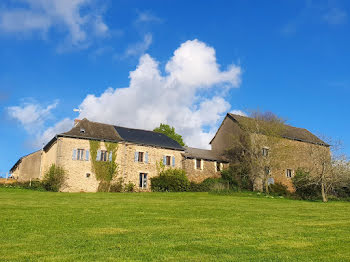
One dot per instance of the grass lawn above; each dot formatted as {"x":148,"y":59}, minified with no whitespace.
{"x":169,"y":227}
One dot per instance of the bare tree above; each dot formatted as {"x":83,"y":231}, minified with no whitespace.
{"x":262,"y":132}
{"x":329,"y":169}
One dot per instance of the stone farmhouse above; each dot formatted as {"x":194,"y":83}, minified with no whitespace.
{"x":295,"y":149}
{"x":137,"y":155}
{"x":139,"y":152}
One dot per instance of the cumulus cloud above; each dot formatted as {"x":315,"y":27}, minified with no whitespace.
{"x":188,"y":93}
{"x":79,"y":18}
{"x":175,"y":98}
{"x":31,"y":115}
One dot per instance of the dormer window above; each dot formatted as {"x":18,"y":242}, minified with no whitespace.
{"x":82,"y":130}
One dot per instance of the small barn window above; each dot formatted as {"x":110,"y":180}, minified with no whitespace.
{"x":289,"y":173}
{"x":198,"y":163}
{"x":265,"y":151}
{"x":88,"y":175}
{"x":82,"y":130}
{"x":167,"y":160}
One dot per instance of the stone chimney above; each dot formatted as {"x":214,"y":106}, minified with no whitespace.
{"x":76,"y":121}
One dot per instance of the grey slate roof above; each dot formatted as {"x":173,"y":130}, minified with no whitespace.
{"x":100,"y":131}
{"x":146,"y":137}
{"x":191,"y":152}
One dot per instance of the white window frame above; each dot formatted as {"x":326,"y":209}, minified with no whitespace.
{"x":220,"y":166}
{"x":291,"y":173}
{"x":267,"y":150}
{"x":80,"y":154}
{"x":144,"y":182}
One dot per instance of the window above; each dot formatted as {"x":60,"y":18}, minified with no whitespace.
{"x":140,"y":158}
{"x":218,"y":166}
{"x":82,"y":131}
{"x":265,"y":151}
{"x":289,"y":173}
{"x":87,"y":175}
{"x":198,"y":163}
{"x":169,"y":161}
{"x":143,"y":180}
{"x":80,"y":155}
{"x":104,"y":155}
{"x":267,"y":170}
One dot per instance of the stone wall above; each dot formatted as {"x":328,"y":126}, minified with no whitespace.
{"x":130,"y":170}
{"x":48,"y":158}
{"x":29,"y":168}
{"x":208,"y":170}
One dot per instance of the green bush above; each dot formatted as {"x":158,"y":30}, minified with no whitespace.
{"x":304,"y":188}
{"x":33,"y":185}
{"x":129,"y":187}
{"x":117,"y":186}
{"x":238,"y":177}
{"x":54,"y":178}
{"x":279,"y":189}
{"x":170,"y":180}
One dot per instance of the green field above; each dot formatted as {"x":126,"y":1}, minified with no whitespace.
{"x":169,"y":227}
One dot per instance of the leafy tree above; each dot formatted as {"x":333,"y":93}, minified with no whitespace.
{"x":170,"y":132}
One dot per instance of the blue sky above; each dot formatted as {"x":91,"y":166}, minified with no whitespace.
{"x":186,"y":63}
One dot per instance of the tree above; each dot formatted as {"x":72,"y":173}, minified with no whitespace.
{"x":170,"y":132}
{"x":261,"y":133}
{"x":329,"y":170}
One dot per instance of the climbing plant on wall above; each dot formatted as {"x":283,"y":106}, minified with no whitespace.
{"x":104,"y":170}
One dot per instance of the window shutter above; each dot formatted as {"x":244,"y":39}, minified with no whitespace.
{"x":98,"y":156}
{"x":87,"y":153}
{"x":195,"y":164}
{"x":140,"y":184}
{"x":136,"y":159}
{"x":173,"y":161}
{"x":74,"y":156}
{"x":164,"y":160}
{"x":216,"y":166}
{"x":110,"y":156}
{"x":146,"y":157}
{"x":202,"y":164}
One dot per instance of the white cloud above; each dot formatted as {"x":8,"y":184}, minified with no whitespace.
{"x":60,"y":127}
{"x":238,"y":112}
{"x":79,"y":18}
{"x":174,"y":98}
{"x":147,"y":16}
{"x":190,"y":96}
{"x":31,"y":115}
{"x":139,"y":48}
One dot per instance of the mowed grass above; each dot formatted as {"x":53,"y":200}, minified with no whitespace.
{"x":43,"y":226}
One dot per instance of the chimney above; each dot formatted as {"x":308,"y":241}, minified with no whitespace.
{"x":76,"y":121}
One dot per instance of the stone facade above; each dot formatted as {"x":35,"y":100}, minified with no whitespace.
{"x":80,"y":177}
{"x":28,"y":167}
{"x":208,"y":169}
{"x":286,"y":154}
